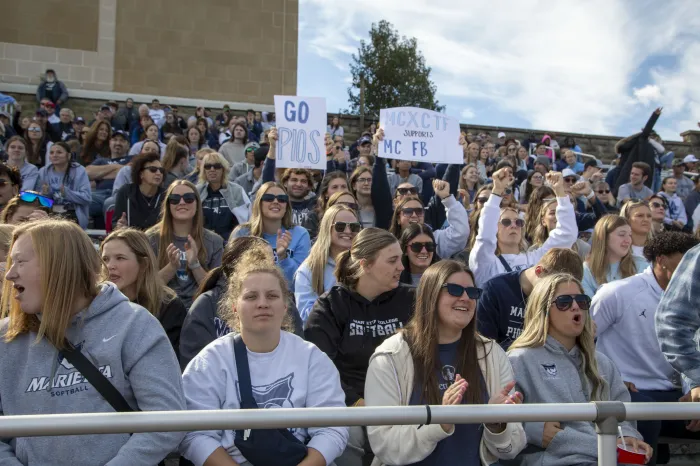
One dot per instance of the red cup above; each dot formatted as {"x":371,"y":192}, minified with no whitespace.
{"x":630,"y":457}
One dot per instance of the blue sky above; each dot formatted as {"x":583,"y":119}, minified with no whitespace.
{"x":593,"y":66}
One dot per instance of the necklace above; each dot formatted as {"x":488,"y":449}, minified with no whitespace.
{"x":154,"y":200}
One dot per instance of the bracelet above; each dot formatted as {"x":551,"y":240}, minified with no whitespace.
{"x":194,"y":265}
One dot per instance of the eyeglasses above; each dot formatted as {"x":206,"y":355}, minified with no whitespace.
{"x":404,"y":191}
{"x":570,"y":179}
{"x":418,"y":246}
{"x":352,"y":205}
{"x":519,"y":222}
{"x":281,"y":198}
{"x":511,"y":149}
{"x":537,"y":178}
{"x":364,"y":180}
{"x":657,"y":205}
{"x":189,"y":198}
{"x":564,"y":302}
{"x":155,"y":169}
{"x":603,"y":191}
{"x":213,"y":166}
{"x":340,"y":227}
{"x":458,"y":290}
{"x":338,"y":148}
{"x":34,"y":130}
{"x":409,"y":211}
{"x":482,"y":199}
{"x":30,"y":197}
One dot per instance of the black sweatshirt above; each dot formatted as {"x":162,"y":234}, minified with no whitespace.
{"x":142,"y":213}
{"x":348,"y":328}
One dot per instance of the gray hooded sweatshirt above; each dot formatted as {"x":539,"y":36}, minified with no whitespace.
{"x":130,"y":348}
{"x":551,"y":374}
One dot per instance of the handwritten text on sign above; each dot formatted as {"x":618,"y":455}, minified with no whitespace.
{"x":419,"y":135}
{"x":301,"y":129}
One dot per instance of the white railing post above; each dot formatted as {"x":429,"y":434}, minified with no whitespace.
{"x":610,"y":413}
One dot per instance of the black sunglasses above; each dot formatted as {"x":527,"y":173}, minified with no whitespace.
{"x":409,"y":211}
{"x":656,"y":205}
{"x":174,"y":199}
{"x":281,"y":198}
{"x":482,"y":199}
{"x":213,"y":166}
{"x":519,"y":222}
{"x":458,"y":290}
{"x":340,"y":227}
{"x":155,"y":169}
{"x":418,"y":246}
{"x":352,"y":205}
{"x":404,"y":191}
{"x":570,"y":179}
{"x":564,"y":302}
{"x":603,"y":191}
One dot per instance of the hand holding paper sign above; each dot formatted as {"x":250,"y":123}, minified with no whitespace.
{"x":272,"y":137}
{"x":301,"y":128}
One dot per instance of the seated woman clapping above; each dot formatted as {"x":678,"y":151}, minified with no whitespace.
{"x":440,"y":359}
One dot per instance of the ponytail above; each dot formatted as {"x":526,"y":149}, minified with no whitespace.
{"x":365,"y":246}
{"x":343,"y":274}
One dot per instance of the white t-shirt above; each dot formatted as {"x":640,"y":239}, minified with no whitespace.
{"x":295,"y":375}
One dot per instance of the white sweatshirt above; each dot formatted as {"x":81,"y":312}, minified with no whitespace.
{"x":483,"y":260}
{"x":624,"y":312}
{"x":454,"y":237}
{"x":295,"y":375}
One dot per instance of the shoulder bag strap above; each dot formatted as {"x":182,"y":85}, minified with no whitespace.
{"x":505,"y":263}
{"x":103,"y":386}
{"x":244,"y":385}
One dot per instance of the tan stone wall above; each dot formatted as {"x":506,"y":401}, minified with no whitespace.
{"x":240,"y":51}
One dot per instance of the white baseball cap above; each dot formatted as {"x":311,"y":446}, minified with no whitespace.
{"x":568,"y":172}
{"x":501,"y":135}
{"x":690,"y":158}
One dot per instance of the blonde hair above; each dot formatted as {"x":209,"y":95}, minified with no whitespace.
{"x":463,"y":183}
{"x":6,"y":238}
{"x":541,"y":232}
{"x":164,"y":229}
{"x":523,"y":241}
{"x":151,"y":292}
{"x":255,"y":224}
{"x":629,"y":207}
{"x":365,"y":246}
{"x":536,"y":329}
{"x":202,"y":152}
{"x":215,"y":157}
{"x":597,"y":259}
{"x":69,"y":269}
{"x":318,"y":257}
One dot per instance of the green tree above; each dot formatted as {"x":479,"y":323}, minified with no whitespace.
{"x":395,"y":73}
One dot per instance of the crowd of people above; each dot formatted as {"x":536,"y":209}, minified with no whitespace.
{"x":526,"y":274}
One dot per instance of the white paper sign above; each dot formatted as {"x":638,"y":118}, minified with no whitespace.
{"x":419,"y":135}
{"x":301,"y":130}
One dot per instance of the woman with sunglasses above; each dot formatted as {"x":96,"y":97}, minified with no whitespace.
{"x":500,"y":243}
{"x":366,"y":306}
{"x":418,"y":245}
{"x":555,"y":361}
{"x":225,"y":203}
{"x":611,"y":255}
{"x":38,"y":144}
{"x":332,"y":183}
{"x":96,"y":143}
{"x":657,"y":204}
{"x":471,"y":370}
{"x":271,"y":220}
{"x":534,"y":180}
{"x":152,"y":134}
{"x":28,"y":205}
{"x":449,"y":240}
{"x":315,"y":276}
{"x":638,"y":214}
{"x":139,"y":203}
{"x":16,"y":149}
{"x":403,"y":175}
{"x":405,"y":190}
{"x":67,"y":183}
{"x":184,"y":248}
{"x":469,"y":184}
{"x":605,"y":196}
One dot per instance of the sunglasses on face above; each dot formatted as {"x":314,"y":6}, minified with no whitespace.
{"x":657,"y":205}
{"x":155,"y":170}
{"x":213,"y":166}
{"x":519,"y":222}
{"x":364,"y":180}
{"x":409,"y":211}
{"x":537,"y":178}
{"x":458,"y":290}
{"x":34,"y":130}
{"x":564,"y":302}
{"x":31,"y":197}
{"x":404,"y":191}
{"x":189,"y":198}
{"x":340,"y":227}
{"x":281,"y":198}
{"x":603,"y":191}
{"x":418,"y":246}
{"x":570,"y":179}
{"x":482,"y":199}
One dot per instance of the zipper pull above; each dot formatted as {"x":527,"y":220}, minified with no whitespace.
{"x":246,"y":434}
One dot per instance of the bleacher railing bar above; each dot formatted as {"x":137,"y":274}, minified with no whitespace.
{"x":606,"y":416}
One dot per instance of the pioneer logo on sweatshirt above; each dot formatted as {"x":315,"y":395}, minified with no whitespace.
{"x":375,"y":328}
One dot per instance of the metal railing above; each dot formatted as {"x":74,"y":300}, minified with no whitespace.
{"x":606,"y":415}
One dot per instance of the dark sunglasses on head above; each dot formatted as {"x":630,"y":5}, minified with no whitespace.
{"x":418,"y":246}
{"x":404,"y":191}
{"x":155,"y":169}
{"x":31,"y":197}
{"x":603,"y":191}
{"x":175,"y":199}
{"x":409,"y":211}
{"x":458,"y":290}
{"x":564,"y":302}
{"x":570,"y":179}
{"x":281,"y":198}
{"x":213,"y":166}
{"x":340,"y":227}
{"x":519,"y":222}
{"x":352,"y":205}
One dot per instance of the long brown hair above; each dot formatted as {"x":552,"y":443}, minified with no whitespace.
{"x":34,"y":152}
{"x":395,"y":227}
{"x":323,"y":197}
{"x":355,"y":175}
{"x":598,"y":258}
{"x":422,"y":336}
{"x":255,"y":224}
{"x":87,"y":155}
{"x":365,"y":246}
{"x":534,"y":209}
{"x":164,"y":229}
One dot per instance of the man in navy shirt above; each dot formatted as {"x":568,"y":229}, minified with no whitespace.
{"x":501,"y":311}
{"x":102,"y":172}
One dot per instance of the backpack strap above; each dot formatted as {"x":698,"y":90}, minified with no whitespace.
{"x":244,"y":385}
{"x":505,"y":263}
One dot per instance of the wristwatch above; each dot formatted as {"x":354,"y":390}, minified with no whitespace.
{"x":194,"y":265}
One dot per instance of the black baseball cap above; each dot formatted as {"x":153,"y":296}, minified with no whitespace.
{"x":365,"y":140}
{"x":120,"y":133}
{"x":79,"y":120}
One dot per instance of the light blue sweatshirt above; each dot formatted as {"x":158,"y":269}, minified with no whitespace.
{"x":77,"y":190}
{"x":591,"y":286}
{"x":297,"y":252}
{"x":304,"y":293}
{"x":29,"y":175}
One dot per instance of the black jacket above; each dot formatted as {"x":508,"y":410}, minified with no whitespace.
{"x":636,"y":148}
{"x":171,"y":317}
{"x":139,"y":213}
{"x":348,"y":328}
